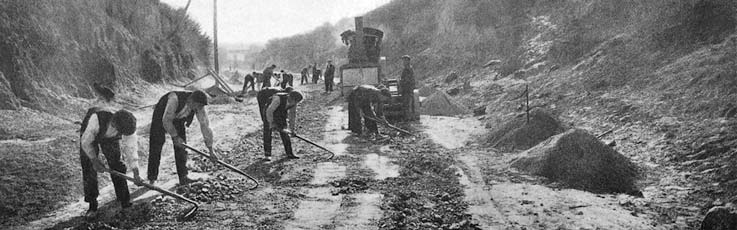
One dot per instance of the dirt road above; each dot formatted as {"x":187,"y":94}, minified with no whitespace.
{"x":436,"y":179}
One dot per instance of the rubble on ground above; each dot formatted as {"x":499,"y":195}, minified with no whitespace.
{"x":579,"y":160}
{"x":518,"y":134}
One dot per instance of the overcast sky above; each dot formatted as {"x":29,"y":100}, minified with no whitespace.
{"x":251,"y":21}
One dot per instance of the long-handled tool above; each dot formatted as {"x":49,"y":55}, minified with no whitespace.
{"x":226,"y":165}
{"x":389,"y":125}
{"x":185,"y":216}
{"x":332,"y":154}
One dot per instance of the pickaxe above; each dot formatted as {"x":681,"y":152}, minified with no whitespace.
{"x":332,"y":154}
{"x":226,"y":165}
{"x":185,"y":216}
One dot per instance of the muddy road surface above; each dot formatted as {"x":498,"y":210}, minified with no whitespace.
{"x":436,"y":179}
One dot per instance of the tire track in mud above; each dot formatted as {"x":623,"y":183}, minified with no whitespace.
{"x":323,"y":207}
{"x":496,"y":201}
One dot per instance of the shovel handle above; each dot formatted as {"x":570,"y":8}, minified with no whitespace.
{"x":231,"y":167}
{"x":152,"y":187}
{"x":389,"y":125}
{"x":332,"y":154}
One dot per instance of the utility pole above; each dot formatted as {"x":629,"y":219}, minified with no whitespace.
{"x":215,"y":35}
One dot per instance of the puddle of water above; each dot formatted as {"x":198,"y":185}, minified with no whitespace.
{"x":327,"y":171}
{"x":479,"y":203}
{"x":382,"y":166}
{"x":317,"y":209}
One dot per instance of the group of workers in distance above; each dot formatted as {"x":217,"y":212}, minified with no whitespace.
{"x":114,"y":132}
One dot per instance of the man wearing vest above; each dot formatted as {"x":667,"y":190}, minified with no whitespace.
{"x":268,"y":72}
{"x":103,"y":130}
{"x":359,"y":106}
{"x":172,"y":113}
{"x":278,"y":112}
{"x":329,"y":74}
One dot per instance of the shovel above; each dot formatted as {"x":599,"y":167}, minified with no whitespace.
{"x":332,"y":154}
{"x":226,"y":165}
{"x":185,"y":216}
{"x":389,"y":125}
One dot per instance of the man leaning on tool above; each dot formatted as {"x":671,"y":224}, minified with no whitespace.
{"x":103,"y":130}
{"x":360,"y":106}
{"x":172,"y":113}
{"x":277,"y":106}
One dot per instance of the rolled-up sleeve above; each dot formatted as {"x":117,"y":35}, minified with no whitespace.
{"x":129,"y":145}
{"x":88,"y":137}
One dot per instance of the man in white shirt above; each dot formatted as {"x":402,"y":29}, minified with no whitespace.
{"x":110,"y":132}
{"x":172,"y":114}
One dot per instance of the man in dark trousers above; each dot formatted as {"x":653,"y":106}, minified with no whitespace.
{"x":407,"y":87}
{"x":304,"y":79}
{"x":286,"y":78}
{"x":360,"y":103}
{"x":103,"y":130}
{"x":268,"y":72}
{"x":172,"y":114}
{"x":278,"y":108}
{"x":329,"y":74}
{"x":315,"y":74}
{"x":248,"y":81}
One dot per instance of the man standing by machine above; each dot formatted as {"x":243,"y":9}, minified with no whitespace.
{"x":329,"y":75}
{"x":360,"y":103}
{"x":407,"y":87}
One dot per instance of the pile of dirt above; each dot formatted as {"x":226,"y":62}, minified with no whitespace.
{"x":579,"y":160}
{"x":520,"y":134}
{"x":440,"y":104}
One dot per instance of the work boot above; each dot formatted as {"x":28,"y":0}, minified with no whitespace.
{"x":292,"y":156}
{"x":125,"y":205}
{"x":187,"y":180}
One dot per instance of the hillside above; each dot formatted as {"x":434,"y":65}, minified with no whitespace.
{"x":660,"y":74}
{"x":52,"y":53}
{"x":53,"y":49}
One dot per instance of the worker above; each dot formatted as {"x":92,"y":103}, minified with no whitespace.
{"x":172,"y":114}
{"x":329,"y":74}
{"x":278,"y":109}
{"x":284,"y":79}
{"x":304,"y":79}
{"x":360,"y":107}
{"x":103,"y":130}
{"x":315,"y":74}
{"x":291,"y":80}
{"x":248,"y":81}
{"x":407,"y":87}
{"x":268,"y":72}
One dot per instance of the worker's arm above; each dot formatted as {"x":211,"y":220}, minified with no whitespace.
{"x":86,"y":142}
{"x":275,"y":101}
{"x":129,"y":145}
{"x":206,"y":131}
{"x":292,"y":114}
{"x":170,"y":113}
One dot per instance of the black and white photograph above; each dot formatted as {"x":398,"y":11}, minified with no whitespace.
{"x":368,"y":114}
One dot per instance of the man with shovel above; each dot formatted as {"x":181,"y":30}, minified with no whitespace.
{"x":109,"y":132}
{"x":278,"y":108}
{"x":360,"y":103}
{"x":172,"y":113}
